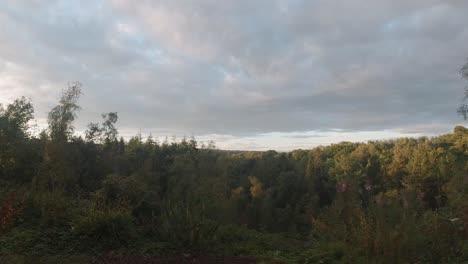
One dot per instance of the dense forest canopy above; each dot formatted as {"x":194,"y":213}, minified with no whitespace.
{"x":391,"y":201}
{"x":403,"y":200}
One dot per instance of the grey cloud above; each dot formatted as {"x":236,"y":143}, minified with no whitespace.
{"x":241,"y":67}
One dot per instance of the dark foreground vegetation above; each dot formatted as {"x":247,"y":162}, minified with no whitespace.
{"x":100,"y":199}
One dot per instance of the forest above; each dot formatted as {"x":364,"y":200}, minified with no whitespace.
{"x":74,"y":198}
{"x":95,"y":197}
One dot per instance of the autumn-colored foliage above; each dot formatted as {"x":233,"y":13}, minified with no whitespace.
{"x":9,"y":211}
{"x":393,"y":201}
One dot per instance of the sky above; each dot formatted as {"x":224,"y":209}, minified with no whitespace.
{"x":249,"y":75}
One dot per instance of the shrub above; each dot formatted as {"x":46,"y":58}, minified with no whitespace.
{"x":110,"y":227}
{"x":37,"y":242}
{"x":186,"y":226}
{"x":9,"y":211}
{"x":56,"y":209}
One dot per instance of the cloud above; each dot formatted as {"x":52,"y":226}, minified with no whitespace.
{"x":241,"y":68}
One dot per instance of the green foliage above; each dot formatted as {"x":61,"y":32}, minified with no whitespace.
{"x":105,"y":134}
{"x":54,"y":208}
{"x":62,"y":116}
{"x":237,"y":240}
{"x":106,"y":227}
{"x":118,"y":190}
{"x":326,"y":253}
{"x":38,"y":242}
{"x":15,"y":118}
{"x":398,"y":201}
{"x":18,"y":153}
{"x":187,"y":226}
{"x":463,"y":109}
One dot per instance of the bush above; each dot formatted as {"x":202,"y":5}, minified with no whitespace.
{"x":109,"y":228}
{"x":37,"y":242}
{"x":55,"y":208}
{"x":186,"y":226}
{"x":241,"y":241}
{"x":10,"y":208}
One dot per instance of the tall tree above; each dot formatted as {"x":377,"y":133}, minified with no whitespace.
{"x":463,"y":109}
{"x":107,"y":133}
{"x":15,"y":118}
{"x":17,"y":155}
{"x":108,"y":126}
{"x":61,"y":117}
{"x":58,"y":169}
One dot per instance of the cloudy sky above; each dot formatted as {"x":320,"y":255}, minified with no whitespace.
{"x":265,"y":74}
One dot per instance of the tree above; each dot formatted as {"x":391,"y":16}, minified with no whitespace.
{"x":105,"y":134}
{"x":463,"y":109}
{"x":94,"y":132}
{"x":58,"y":170}
{"x":15,"y":118}
{"x":61,"y":117}
{"x":17,"y":154}
{"x":108,"y":126}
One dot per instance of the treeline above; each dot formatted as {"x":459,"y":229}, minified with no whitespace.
{"x":397,"y":201}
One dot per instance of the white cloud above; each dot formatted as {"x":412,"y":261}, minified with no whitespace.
{"x":242,"y":68}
